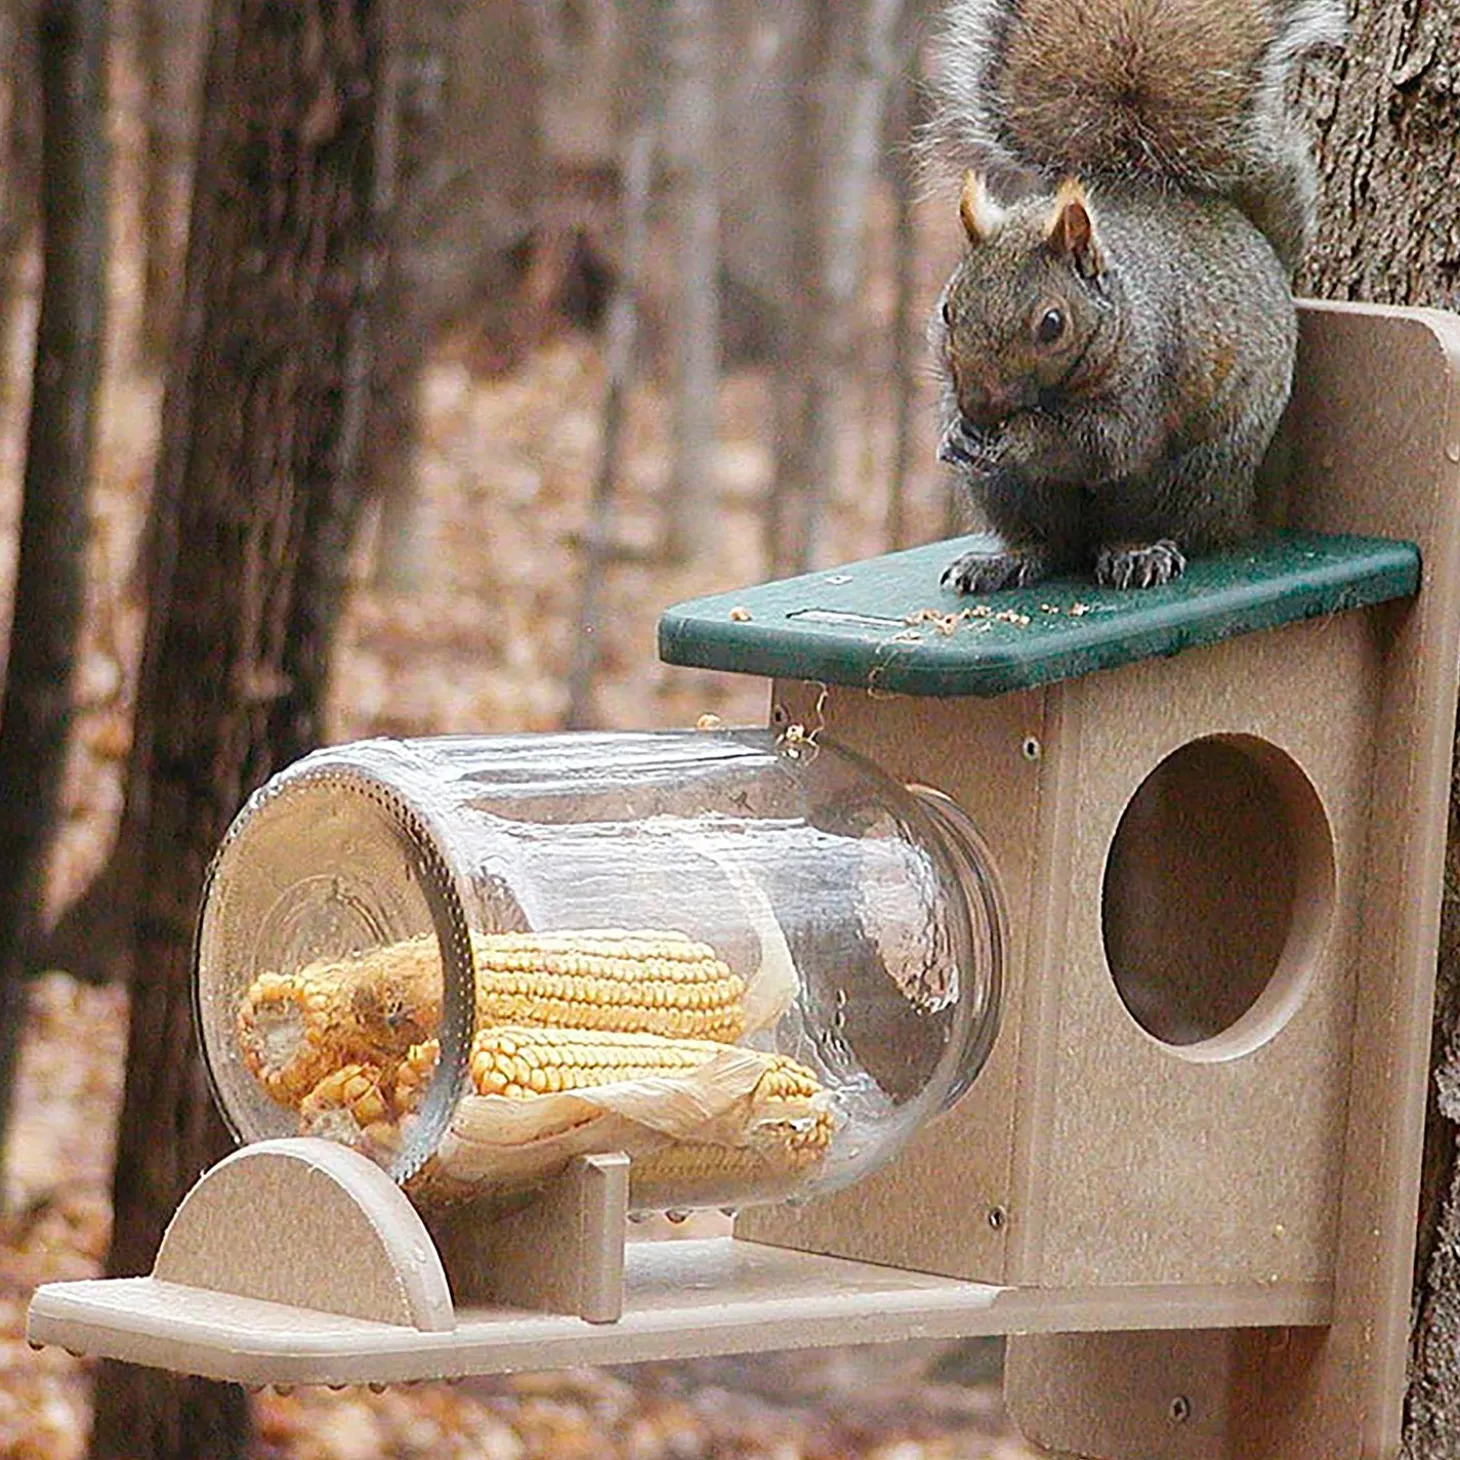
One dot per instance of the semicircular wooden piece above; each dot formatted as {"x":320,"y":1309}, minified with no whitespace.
{"x":312,"y":1224}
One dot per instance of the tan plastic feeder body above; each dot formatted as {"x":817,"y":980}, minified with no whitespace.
{"x":1164,"y":1129}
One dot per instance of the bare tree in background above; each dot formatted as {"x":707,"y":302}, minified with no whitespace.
{"x":423,"y":62}
{"x":470,"y":174}
{"x":856,"y":56}
{"x":19,"y":159}
{"x":35,"y":710}
{"x":257,"y":496}
{"x":909,"y":346}
{"x":690,"y":152}
{"x":169,"y":36}
{"x":620,"y":351}
{"x":764,"y":101}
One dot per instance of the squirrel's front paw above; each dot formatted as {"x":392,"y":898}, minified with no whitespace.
{"x":987,"y":570}
{"x":1145,"y":566}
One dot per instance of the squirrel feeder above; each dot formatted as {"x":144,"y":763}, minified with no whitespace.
{"x":1185,"y":1175}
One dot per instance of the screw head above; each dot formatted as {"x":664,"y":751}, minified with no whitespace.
{"x":998,"y":1218}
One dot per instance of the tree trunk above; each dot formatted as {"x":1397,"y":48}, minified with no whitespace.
{"x":864,"y":57}
{"x":620,"y":362}
{"x":256,"y":499}
{"x":807,"y":43}
{"x":402,"y":559}
{"x":690,"y":152}
{"x":35,"y":712}
{"x":862,"y":83}
{"x":19,"y":162}
{"x":1389,"y":130}
{"x":909,"y":335}
{"x":169,"y":46}
{"x":470,"y":174}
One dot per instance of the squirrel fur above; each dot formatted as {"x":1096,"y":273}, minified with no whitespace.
{"x":1117,"y":341}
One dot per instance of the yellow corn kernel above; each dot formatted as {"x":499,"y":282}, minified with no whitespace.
{"x":413,"y":1074}
{"x":642,"y":982}
{"x":353,"y":1090}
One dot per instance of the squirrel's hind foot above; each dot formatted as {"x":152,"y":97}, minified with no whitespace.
{"x":1147,"y":565}
{"x":986,"y":570}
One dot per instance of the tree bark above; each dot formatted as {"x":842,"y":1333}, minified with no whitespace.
{"x":256,"y":499}
{"x":35,"y":712}
{"x":1388,"y":119}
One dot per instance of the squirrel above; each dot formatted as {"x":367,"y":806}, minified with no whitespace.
{"x":1117,"y":341}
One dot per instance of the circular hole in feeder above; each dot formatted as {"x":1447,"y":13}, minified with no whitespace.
{"x":1217,"y":895}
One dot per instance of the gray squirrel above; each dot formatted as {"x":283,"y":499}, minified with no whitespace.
{"x":1117,"y":341}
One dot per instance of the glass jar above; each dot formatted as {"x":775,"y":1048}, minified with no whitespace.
{"x":755,"y":964}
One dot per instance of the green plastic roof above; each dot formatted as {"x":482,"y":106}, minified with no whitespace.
{"x":887,"y":624}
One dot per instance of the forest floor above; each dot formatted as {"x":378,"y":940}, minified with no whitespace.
{"x":482,"y":642}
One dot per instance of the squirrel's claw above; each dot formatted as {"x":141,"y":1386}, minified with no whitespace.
{"x":987,"y":570}
{"x":954,"y":452}
{"x":1147,"y":565}
{"x":964,"y":446}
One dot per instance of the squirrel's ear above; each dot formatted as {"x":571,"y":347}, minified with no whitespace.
{"x":1071,"y":231}
{"x":982,"y":217}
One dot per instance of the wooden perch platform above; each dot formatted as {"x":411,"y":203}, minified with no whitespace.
{"x":886,"y":624}
{"x":299,"y":1262}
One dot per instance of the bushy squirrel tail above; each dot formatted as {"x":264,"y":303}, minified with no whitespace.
{"x":1182,"y":93}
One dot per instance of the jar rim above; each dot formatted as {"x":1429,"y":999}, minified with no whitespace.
{"x":438,"y":884}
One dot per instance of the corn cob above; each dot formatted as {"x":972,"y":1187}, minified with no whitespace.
{"x":519,"y":1061}
{"x":632,"y":982}
{"x":757,"y":1143}
{"x":294,"y":1029}
{"x":705,"y":1173}
{"x":347,"y":1043}
{"x":522,"y":1061}
{"x":361,"y":1091}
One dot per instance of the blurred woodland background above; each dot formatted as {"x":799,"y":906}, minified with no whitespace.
{"x":503,"y":324}
{"x":386,"y":366}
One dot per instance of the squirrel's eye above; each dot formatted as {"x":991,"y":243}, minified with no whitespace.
{"x":1050,"y":327}
{"x":947,"y":311}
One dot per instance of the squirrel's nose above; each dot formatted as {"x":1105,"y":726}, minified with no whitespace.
{"x":991,"y":406}
{"x":980,"y":415}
